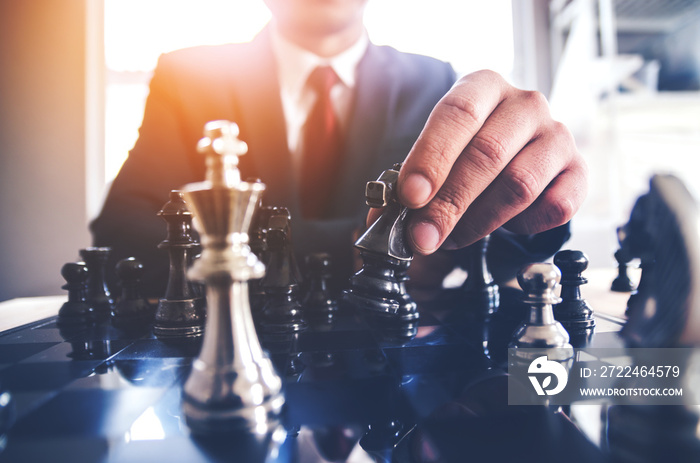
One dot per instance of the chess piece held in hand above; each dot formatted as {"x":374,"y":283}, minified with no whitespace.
{"x":379,"y":287}
{"x":233,"y":386}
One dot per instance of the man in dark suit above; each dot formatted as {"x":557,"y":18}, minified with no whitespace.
{"x":489,"y":154}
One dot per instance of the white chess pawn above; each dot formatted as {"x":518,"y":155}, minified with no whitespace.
{"x":541,"y":334}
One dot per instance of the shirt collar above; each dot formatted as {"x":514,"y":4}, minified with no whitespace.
{"x":295,"y":64}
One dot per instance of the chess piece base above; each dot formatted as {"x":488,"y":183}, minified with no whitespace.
{"x":175,"y":319}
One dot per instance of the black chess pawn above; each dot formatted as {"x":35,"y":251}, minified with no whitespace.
{"x":91,"y":343}
{"x":641,"y":298}
{"x":98,"y":294}
{"x":320,"y":306}
{"x":479,"y":289}
{"x":574,"y":313}
{"x":622,"y":283}
{"x":282,"y":311}
{"x":180,"y":314}
{"x":132,"y":312}
{"x":379,"y":287}
{"x":75,"y":312}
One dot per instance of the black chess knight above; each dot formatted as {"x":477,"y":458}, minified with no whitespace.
{"x":663,"y":231}
{"x":380,"y":286}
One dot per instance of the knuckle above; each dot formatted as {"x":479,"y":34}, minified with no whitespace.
{"x":489,"y":75}
{"x":535,"y":99}
{"x":462,"y":109}
{"x":560,"y":131}
{"x":559,"y":212}
{"x":490,"y":148}
{"x":520,"y":188}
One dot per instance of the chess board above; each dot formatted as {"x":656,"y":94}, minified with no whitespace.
{"x":101,"y":394}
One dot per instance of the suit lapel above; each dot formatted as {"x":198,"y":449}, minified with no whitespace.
{"x":262,"y":123}
{"x":370,"y":120}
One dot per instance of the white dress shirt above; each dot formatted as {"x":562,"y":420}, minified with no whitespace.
{"x":294,"y":65}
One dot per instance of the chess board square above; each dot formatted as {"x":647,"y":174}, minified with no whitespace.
{"x":12,"y":353}
{"x":346,"y":364}
{"x":38,"y":376}
{"x":154,"y":348}
{"x":66,"y":352}
{"x":311,"y":341}
{"x":31,"y":335}
{"x":87,"y":412}
{"x":433,"y":359}
{"x":77,"y":449}
{"x":127,"y":374}
{"x":336,"y":401}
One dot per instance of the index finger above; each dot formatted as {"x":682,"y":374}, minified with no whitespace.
{"x":452,"y":124}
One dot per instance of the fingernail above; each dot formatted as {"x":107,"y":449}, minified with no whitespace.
{"x":416,"y":190}
{"x":425,"y":237}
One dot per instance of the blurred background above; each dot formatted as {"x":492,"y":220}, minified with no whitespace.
{"x":624,"y":75}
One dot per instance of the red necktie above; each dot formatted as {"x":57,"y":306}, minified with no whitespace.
{"x":321,"y":146}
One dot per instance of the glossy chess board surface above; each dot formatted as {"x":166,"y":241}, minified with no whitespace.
{"x":101,"y":394}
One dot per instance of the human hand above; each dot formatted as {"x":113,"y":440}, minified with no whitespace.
{"x":490,"y":155}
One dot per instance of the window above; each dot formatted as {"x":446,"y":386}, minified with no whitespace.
{"x":136,"y":32}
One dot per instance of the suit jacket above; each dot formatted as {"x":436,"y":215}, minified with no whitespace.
{"x":394,"y":95}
